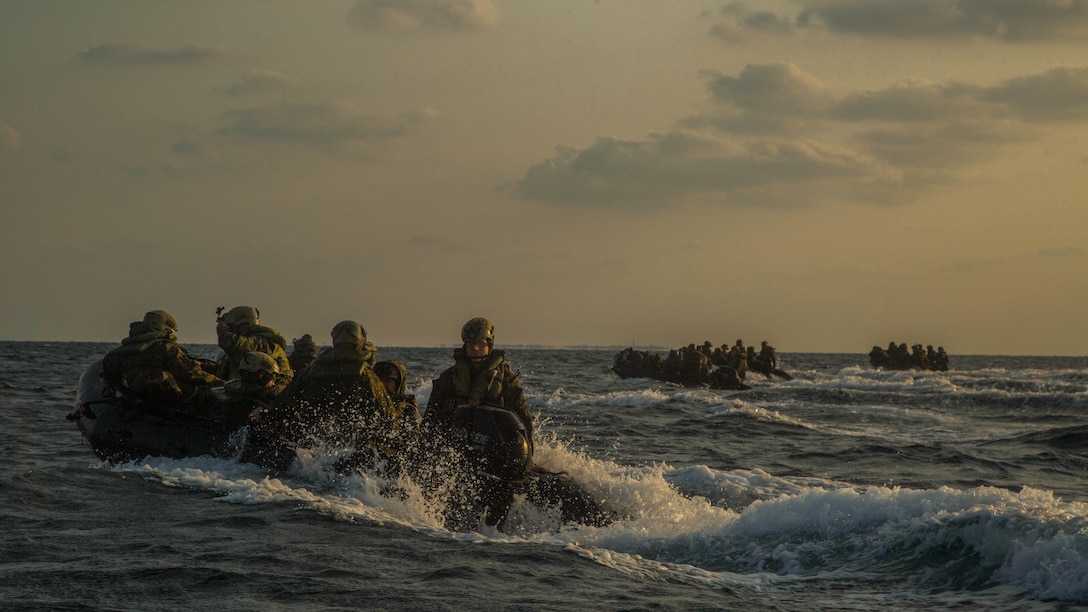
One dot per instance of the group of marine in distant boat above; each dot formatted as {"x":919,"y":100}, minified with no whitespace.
{"x":899,"y":357}
{"x":724,"y":367}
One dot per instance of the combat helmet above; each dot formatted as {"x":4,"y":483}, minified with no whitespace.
{"x":348,"y":332}
{"x":387,"y":370}
{"x":160,"y":319}
{"x":478,"y":329}
{"x":242,"y":315}
{"x":255,"y":361}
{"x":392,"y":371}
{"x":258,"y":368}
{"x":306,"y":342}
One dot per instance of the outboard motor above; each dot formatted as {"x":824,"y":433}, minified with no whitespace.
{"x":498,"y":439}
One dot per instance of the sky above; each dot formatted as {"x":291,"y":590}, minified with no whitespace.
{"x":827,"y":175}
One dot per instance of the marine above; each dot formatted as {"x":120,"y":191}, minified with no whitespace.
{"x":394,"y":377}
{"x":480,"y":374}
{"x":240,"y":332}
{"x":695,"y":367}
{"x":878,"y":357}
{"x":303,"y":353}
{"x":338,"y":401}
{"x":151,"y":365}
{"x":480,"y":389}
{"x":259,"y":379}
{"x":768,"y":356}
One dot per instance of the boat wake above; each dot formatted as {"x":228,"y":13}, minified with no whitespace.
{"x":736,"y":529}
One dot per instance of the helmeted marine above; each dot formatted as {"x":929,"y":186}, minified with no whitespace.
{"x":240,"y":332}
{"x":151,"y":365}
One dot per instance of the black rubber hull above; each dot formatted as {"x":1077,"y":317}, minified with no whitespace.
{"x":122,"y":429}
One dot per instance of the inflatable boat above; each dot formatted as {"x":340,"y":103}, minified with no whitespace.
{"x":121,"y":428}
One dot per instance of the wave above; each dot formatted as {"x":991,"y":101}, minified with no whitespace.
{"x":743,"y":529}
{"x":959,"y":540}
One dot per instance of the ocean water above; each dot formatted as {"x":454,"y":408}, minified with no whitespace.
{"x":843,"y":489}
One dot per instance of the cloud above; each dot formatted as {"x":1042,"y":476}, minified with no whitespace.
{"x":400,"y":15}
{"x":911,"y":101}
{"x":788,"y":130}
{"x":10,"y":140}
{"x":1058,"y":94}
{"x":139,"y":54}
{"x":941,"y":145}
{"x":766,"y":21}
{"x":910,"y":122}
{"x":1009,"y":20}
{"x":744,"y":24}
{"x":261,"y":81}
{"x":671,"y":167}
{"x":727,"y":32}
{"x":775,"y":88}
{"x":778,"y":96}
{"x":322,"y":123}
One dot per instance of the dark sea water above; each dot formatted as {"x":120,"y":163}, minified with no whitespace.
{"x":843,"y":489}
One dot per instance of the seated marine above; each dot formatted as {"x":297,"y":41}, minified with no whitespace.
{"x":737,"y":358}
{"x":672,"y":366}
{"x":477,"y":432}
{"x":303,"y":353}
{"x":878,"y":357}
{"x":480,"y":375}
{"x":151,"y":365}
{"x":338,"y":401}
{"x":480,"y":389}
{"x":239,"y":332}
{"x":695,"y":367}
{"x":394,"y":377}
{"x":258,"y":379}
{"x":752,"y":362}
{"x":941,"y":361}
{"x":918,"y":357}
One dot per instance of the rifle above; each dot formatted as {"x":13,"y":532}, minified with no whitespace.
{"x":219,"y":313}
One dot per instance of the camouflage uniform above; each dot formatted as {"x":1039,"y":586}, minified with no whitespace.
{"x":257,"y":338}
{"x":491,"y":382}
{"x":406,"y":404}
{"x":901,"y":357}
{"x":303,"y":353}
{"x":878,"y":357}
{"x":151,"y":365}
{"x":694,"y":367}
{"x":338,"y":400}
{"x":259,"y":382}
{"x":740,"y":362}
{"x":752,"y":362}
{"x":486,"y":381}
{"x":918,"y":357}
{"x":672,"y":366}
{"x":768,"y":354}
{"x":941,"y":363}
